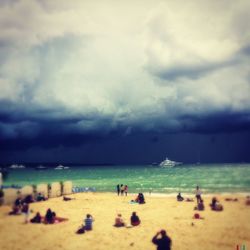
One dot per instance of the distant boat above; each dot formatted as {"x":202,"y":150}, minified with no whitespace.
{"x":15,"y":166}
{"x":60,"y":167}
{"x":169,"y":163}
{"x":154,"y":164}
{"x":40,"y":167}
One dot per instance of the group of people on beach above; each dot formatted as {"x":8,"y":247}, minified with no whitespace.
{"x":19,"y":202}
{"x":215,"y":204}
{"x":140,"y":199}
{"x":134,"y":220}
{"x":49,"y":218}
{"x":161,"y":239}
{"x":163,"y":242}
{"x":21,"y":206}
{"x":122,"y":189}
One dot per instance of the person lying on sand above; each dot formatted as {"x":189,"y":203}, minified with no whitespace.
{"x":134,"y":219}
{"x":67,"y":198}
{"x":215,"y":205}
{"x":230,"y":199}
{"x":163,"y":243}
{"x":119,"y":221}
{"x":190,"y":200}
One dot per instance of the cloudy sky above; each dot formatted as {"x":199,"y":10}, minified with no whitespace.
{"x":124,"y":81}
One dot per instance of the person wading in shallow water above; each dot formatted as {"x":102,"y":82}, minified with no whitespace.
{"x":122,"y":189}
{"x":126,"y":190}
{"x":163,"y":243}
{"x":118,"y":189}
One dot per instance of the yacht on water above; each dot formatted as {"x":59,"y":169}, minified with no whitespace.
{"x":169,"y":163}
{"x":60,"y":167}
{"x":41,"y":167}
{"x":14,"y":166}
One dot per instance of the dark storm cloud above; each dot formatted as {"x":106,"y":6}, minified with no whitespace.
{"x":190,"y":71}
{"x":70,"y":75}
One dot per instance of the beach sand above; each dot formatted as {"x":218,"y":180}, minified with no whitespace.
{"x":218,"y":230}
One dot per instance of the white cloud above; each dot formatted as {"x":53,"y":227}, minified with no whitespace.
{"x":125,"y":61}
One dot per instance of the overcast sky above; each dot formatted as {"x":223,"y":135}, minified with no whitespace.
{"x":124,"y":81}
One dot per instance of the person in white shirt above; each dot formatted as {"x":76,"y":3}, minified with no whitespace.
{"x":198,"y":194}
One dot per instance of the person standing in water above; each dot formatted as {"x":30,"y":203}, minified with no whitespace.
{"x":118,"y":189}
{"x":126,"y":190}
{"x":122,"y":189}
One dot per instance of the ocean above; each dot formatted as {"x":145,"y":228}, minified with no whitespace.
{"x":216,"y":178}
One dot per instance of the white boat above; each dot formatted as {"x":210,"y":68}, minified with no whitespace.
{"x":40,"y":167}
{"x":15,"y":166}
{"x":60,"y":167}
{"x":169,"y":163}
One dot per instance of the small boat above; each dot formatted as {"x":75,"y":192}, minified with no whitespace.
{"x":60,"y":167}
{"x":169,"y":163}
{"x":16,"y":166}
{"x":41,"y":167}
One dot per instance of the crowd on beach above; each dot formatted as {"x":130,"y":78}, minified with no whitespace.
{"x":122,"y":189}
{"x":215,"y":205}
{"x":160,"y":239}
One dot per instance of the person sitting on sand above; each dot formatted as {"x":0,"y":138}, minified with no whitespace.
{"x":37,"y":218}
{"x":50,"y":217}
{"x":18,"y":202}
{"x":88,"y":222}
{"x":40,"y":197}
{"x":17,"y":207}
{"x":215,"y":205}
{"x":140,"y":198}
{"x":179,"y":197}
{"x":247,"y":201}
{"x":200,"y":206}
{"x":119,"y":221}
{"x":164,"y":243}
{"x":134,"y":219}
{"x":28,"y":199}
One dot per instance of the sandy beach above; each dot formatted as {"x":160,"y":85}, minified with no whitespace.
{"x":218,"y":230}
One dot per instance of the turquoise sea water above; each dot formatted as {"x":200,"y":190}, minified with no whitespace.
{"x":184,"y":178}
